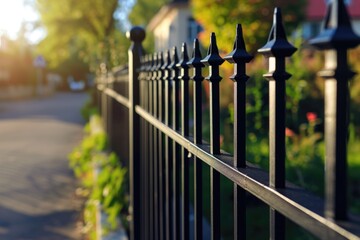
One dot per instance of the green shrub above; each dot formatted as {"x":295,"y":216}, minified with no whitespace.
{"x":89,"y":109}
{"x":102,"y":175}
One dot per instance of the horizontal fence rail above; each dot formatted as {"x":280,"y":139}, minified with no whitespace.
{"x":153,"y":90}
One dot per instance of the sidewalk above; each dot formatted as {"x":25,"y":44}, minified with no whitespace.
{"x":37,"y":189}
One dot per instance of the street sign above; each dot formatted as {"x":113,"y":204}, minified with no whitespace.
{"x":39,"y":62}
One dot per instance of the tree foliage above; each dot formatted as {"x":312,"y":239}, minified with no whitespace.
{"x":144,"y":10}
{"x":221,"y":16}
{"x":82,"y":31}
{"x":141,"y":14}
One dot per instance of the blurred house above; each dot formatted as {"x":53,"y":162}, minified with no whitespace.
{"x":315,"y":13}
{"x":173,"y":25}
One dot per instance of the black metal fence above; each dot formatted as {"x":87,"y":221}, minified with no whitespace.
{"x":150,"y":99}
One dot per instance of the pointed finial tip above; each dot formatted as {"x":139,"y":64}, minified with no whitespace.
{"x":238,"y":26}
{"x":212,"y":36}
{"x":183,"y":46}
{"x":277,"y":15}
{"x":277,"y":10}
{"x":196,"y":43}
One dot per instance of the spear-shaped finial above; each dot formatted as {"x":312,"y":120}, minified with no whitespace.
{"x":196,"y":57}
{"x":184,"y":57}
{"x":239,"y":53}
{"x":160,"y":71}
{"x":154,"y":66}
{"x":213,"y":60}
{"x":337,"y":31}
{"x":160,"y":61}
{"x":277,"y":45}
{"x":213,"y":57}
{"x":174,"y":59}
{"x":167,"y":60}
{"x":154,"y":61}
{"x":149,"y":66}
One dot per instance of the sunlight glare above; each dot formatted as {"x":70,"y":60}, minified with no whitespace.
{"x":12,"y":14}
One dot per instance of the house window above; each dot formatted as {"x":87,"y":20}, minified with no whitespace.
{"x":193,"y":29}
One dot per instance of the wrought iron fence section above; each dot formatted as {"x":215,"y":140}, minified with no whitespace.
{"x":161,"y":147}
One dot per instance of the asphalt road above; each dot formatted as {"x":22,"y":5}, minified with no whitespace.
{"x":37,"y":188}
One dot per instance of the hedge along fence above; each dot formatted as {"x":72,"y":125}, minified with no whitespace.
{"x":104,"y":178}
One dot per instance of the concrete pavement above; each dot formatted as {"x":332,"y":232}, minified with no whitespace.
{"x":37,"y":189}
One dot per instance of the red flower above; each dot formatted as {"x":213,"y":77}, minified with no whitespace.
{"x":289,"y":132}
{"x":311,"y":116}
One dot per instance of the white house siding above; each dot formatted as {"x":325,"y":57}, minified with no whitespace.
{"x":173,"y":29}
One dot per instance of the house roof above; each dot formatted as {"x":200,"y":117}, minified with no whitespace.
{"x":316,"y":9}
{"x":164,"y":11}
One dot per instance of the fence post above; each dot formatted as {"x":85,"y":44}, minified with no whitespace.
{"x":136,"y":35}
{"x":336,"y":38}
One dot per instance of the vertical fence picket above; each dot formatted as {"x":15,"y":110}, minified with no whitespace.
{"x":156,"y":146}
{"x":151,"y":153}
{"x":176,"y":146}
{"x":213,"y":60}
{"x":195,"y":62}
{"x":276,"y":49}
{"x":159,"y":79}
{"x":168,"y":146}
{"x":336,"y":38}
{"x":146,"y":149}
{"x":239,"y":57}
{"x":184,"y":78}
{"x":143,"y":147}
